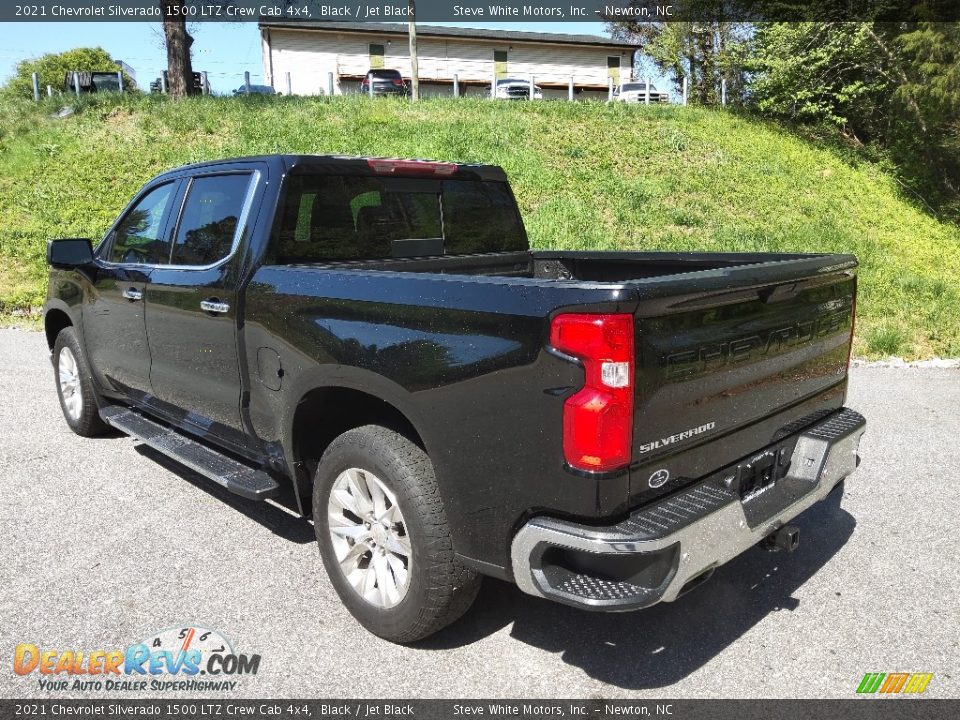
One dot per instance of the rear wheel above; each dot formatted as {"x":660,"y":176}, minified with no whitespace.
{"x":384,"y":538}
{"x":75,"y":386}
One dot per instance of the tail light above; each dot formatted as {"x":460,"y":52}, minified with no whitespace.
{"x":598,"y":419}
{"x":398,"y":82}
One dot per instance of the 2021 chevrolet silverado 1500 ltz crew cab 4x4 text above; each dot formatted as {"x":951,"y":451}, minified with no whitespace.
{"x":602,"y":428}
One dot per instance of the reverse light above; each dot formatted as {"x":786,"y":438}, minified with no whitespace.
{"x":386,"y":166}
{"x":598,"y":419}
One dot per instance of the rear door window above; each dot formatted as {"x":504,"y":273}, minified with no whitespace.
{"x":210,"y":219}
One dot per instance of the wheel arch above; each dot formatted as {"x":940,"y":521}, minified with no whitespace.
{"x":54,"y":321}
{"x":325,"y":412}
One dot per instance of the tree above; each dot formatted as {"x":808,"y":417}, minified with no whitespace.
{"x":178,"y":42}
{"x":52,"y":69}
{"x":703,"y":53}
{"x":895,"y":85}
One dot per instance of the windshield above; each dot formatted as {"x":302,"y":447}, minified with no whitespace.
{"x":326,"y":217}
{"x":631,"y":87}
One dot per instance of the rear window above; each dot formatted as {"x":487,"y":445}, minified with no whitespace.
{"x":326,"y":217}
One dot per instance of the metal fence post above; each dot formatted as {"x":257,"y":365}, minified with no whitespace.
{"x":246,"y":82}
{"x":493,"y":85}
{"x":163,"y":83}
{"x":76,"y":82}
{"x":723,"y":91}
{"x":120,"y":80}
{"x":36,"y":87}
{"x":289,"y":84}
{"x":206,"y":83}
{"x":49,"y":91}
{"x":370,"y":85}
{"x":684,"y":91}
{"x":456,"y":85}
{"x":531,"y":87}
{"x":330,"y":84}
{"x":646,"y":90}
{"x":609,"y":89}
{"x":570,"y":90}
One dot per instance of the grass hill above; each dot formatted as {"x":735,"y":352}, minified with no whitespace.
{"x":591,"y":176}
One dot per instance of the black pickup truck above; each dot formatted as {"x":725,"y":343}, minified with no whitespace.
{"x":375,"y":339}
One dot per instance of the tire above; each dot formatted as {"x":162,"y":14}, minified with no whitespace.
{"x":413,"y":582}
{"x":78,"y":399}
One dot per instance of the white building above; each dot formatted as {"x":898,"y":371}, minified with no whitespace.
{"x":309,"y":52}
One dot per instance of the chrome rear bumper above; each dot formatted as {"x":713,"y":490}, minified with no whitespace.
{"x":664,"y":549}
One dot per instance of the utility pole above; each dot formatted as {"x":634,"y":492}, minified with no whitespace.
{"x":414,"y":69}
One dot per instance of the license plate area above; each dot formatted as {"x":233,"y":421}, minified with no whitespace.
{"x":761,"y":472}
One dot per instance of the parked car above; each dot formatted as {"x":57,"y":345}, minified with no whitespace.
{"x":255,"y":90}
{"x":375,"y":337}
{"x":517,"y":89}
{"x":385,"y":82}
{"x":635,"y":92}
{"x":92,"y":82}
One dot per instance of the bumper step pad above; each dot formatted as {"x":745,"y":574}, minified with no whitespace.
{"x":231,"y":474}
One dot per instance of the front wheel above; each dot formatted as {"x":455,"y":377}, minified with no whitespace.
{"x":75,"y":386}
{"x":384,"y":538}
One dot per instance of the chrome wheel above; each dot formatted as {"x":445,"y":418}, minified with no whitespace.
{"x":70,"y":390}
{"x":369,"y":537}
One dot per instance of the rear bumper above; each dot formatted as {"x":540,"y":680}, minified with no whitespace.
{"x":666,"y":548}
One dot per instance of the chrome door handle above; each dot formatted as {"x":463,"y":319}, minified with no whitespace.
{"x":214,"y":306}
{"x":132,"y":294}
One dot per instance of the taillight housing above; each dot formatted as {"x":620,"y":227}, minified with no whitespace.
{"x":598,"y":418}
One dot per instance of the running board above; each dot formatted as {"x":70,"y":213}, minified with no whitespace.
{"x":233,"y":475}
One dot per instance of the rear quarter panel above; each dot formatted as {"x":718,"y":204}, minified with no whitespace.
{"x":461,"y":357}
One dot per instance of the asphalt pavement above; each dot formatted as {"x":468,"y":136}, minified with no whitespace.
{"x":104,"y":544}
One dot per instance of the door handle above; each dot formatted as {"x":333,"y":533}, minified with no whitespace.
{"x":132,"y":294}
{"x":212,"y":305}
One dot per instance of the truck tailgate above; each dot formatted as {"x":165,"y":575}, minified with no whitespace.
{"x":753,"y":350}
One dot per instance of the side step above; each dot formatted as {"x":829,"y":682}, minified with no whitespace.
{"x":236,"y":477}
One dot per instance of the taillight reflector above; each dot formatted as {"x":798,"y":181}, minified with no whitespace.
{"x":383,"y":166}
{"x":598,"y":419}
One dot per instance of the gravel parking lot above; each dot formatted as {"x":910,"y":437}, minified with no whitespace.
{"x":104,"y":545}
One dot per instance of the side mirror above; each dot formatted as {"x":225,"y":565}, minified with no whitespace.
{"x":69,"y":253}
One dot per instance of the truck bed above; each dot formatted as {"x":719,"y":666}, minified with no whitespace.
{"x":604,"y":267}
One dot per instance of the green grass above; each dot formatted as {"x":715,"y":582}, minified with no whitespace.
{"x":587,"y":176}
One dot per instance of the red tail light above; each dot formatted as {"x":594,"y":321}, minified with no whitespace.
{"x":598,"y":419}
{"x":398,"y":82}
{"x":384,"y":166}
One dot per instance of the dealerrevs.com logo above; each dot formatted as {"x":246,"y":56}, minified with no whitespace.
{"x":183,"y":658}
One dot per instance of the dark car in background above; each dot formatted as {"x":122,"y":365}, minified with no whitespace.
{"x":255,"y":90}
{"x":385,"y":82}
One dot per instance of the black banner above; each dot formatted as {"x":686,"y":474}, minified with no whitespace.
{"x":157,"y":709}
{"x":506,"y":11}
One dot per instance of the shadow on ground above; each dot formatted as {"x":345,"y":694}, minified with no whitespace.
{"x":659,"y":646}
{"x":651,"y":648}
{"x":282,"y":521}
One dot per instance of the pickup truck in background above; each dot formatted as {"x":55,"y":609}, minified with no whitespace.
{"x":375,"y":339}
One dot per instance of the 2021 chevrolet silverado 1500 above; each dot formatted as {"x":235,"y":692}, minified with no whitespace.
{"x":604,"y":429}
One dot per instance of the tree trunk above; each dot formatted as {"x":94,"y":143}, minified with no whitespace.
{"x":414,"y":65}
{"x":178,"y":41}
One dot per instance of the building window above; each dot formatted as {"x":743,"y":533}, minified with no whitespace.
{"x":376,"y":56}
{"x":500,"y":63}
{"x":613,"y":68}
